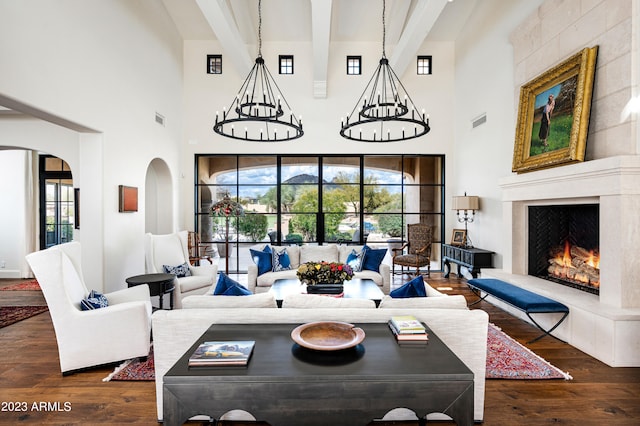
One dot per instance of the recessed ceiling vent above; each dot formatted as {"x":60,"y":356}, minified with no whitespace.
{"x":160,"y":119}
{"x":478,"y":121}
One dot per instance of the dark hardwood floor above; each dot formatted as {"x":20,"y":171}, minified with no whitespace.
{"x":29,"y":373}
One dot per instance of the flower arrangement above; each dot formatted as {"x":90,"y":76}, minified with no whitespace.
{"x":313,"y":273}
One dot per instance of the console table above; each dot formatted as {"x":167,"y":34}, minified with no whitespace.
{"x":471,"y":258}
{"x":286,"y":387}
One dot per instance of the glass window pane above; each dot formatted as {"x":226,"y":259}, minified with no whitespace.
{"x":382,"y":198}
{"x":385,"y":169}
{"x":259,"y":197}
{"x":299,"y":198}
{"x":257,"y":170}
{"x":341,"y":198}
{"x":253,"y":226}
{"x":217,"y":169}
{"x":423,"y":170}
{"x":295,"y":169}
{"x":341,"y":169}
{"x":299,"y":227}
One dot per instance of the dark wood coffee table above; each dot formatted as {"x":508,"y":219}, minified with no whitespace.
{"x":356,"y":288}
{"x":284,"y":384}
{"x":159,"y":285}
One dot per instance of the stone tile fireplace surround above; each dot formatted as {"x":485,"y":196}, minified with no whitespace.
{"x":605,"y":326}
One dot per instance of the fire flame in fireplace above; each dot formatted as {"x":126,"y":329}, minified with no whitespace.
{"x":575,"y":264}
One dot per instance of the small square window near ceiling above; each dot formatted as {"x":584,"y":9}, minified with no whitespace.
{"x":286,"y":64}
{"x":354,"y":65}
{"x":424,"y":65}
{"x":214,"y":64}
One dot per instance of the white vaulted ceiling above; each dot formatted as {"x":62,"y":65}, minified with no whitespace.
{"x":234,"y":24}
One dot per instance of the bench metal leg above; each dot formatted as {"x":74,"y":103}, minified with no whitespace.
{"x":546,"y":332}
{"x":477,"y":293}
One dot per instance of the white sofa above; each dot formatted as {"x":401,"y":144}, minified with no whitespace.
{"x":172,"y":250}
{"x":310,"y":253}
{"x":464,"y":331}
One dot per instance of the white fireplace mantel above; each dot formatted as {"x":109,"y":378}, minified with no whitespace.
{"x":607,"y":327}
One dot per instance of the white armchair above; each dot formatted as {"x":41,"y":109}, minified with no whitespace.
{"x":173,"y":250}
{"x":114,"y":333}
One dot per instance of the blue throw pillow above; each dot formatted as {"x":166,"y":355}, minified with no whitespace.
{"x":281,"y":260}
{"x":229,"y":287}
{"x":355,"y":260}
{"x":373,"y":258}
{"x":414,"y":288}
{"x":93,"y":301}
{"x":179,"y":271}
{"x":262,"y":259}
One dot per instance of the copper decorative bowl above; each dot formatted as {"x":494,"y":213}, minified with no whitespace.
{"x":327,"y":335}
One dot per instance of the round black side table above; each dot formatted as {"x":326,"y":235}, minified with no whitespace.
{"x":159,"y":285}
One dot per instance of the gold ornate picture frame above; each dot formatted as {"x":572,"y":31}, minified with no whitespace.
{"x":553,"y":114}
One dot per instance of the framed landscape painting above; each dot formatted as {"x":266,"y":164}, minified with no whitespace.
{"x":553,"y":114}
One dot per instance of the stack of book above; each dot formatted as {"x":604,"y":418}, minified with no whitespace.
{"x":407,"y":329}
{"x":229,"y":353}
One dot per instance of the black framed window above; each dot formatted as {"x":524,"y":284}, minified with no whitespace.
{"x":214,"y":64}
{"x":354,"y":65}
{"x":57,"y":202}
{"x":286,"y":64}
{"x":424,"y":65}
{"x":318,"y":199}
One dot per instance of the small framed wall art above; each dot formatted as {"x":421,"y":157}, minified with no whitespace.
{"x":127,"y":199}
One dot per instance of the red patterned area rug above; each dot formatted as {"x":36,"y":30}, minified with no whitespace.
{"x":12,"y":314}
{"x":26,"y":285}
{"x":142,"y":369}
{"x":508,"y":359}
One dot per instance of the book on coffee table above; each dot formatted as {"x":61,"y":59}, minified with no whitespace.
{"x":407,"y":324}
{"x":223,"y":353}
{"x":407,"y":329}
{"x":408,"y":338}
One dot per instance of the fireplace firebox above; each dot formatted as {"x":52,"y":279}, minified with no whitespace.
{"x":564,"y":245}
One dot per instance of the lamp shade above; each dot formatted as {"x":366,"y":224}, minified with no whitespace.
{"x":466,"y":202}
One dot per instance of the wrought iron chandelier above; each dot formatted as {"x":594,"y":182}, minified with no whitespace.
{"x":384,"y":112}
{"x":259,"y":112}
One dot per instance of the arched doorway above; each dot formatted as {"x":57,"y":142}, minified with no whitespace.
{"x":158,"y":198}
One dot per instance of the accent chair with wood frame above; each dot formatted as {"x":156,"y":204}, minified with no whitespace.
{"x":418,"y":246}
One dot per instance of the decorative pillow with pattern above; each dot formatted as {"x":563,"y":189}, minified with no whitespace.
{"x":93,"y":301}
{"x":355,"y":260}
{"x":281,"y":260}
{"x":179,"y":271}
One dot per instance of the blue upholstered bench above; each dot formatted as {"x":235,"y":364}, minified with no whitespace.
{"x":526,"y":301}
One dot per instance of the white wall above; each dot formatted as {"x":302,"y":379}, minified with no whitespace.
{"x":12,"y":212}
{"x":484,"y":78}
{"x":205,"y":94}
{"x":110,"y":66}
{"x":505,"y":45}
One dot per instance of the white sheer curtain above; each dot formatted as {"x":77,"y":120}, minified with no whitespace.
{"x":30,"y":210}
